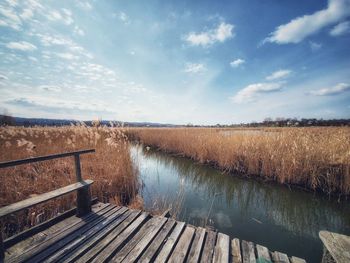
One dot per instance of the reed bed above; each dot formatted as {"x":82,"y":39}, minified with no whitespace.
{"x":315,"y":158}
{"x":110,"y":167}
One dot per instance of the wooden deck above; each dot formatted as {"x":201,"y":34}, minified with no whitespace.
{"x":118,"y":234}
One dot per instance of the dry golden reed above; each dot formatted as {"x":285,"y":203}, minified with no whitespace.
{"x":314,"y":158}
{"x":110,"y":167}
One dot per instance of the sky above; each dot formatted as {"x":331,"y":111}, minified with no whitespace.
{"x":199,"y":62}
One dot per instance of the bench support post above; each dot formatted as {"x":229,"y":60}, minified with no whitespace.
{"x":83,"y":201}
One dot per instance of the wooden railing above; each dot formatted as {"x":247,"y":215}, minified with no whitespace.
{"x":81,"y":186}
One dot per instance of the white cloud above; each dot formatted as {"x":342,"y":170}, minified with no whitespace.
{"x":279,"y":74}
{"x":50,"y":88}
{"x":340,"y":29}
{"x":3,"y":77}
{"x":195,"y":68}
{"x":250,"y":92}
{"x":26,"y":14}
{"x":65,"y":16}
{"x":315,"y":46}
{"x":84,"y":5}
{"x":301,"y":27}
{"x":9,"y":18}
{"x":337,"y":89}
{"x":207,"y":38}
{"x":21,"y":45}
{"x":68,"y":56}
{"x":236,"y":63}
{"x":79,"y":31}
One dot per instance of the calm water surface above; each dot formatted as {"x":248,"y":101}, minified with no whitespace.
{"x":282,"y":219}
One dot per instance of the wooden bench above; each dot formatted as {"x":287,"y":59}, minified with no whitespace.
{"x":81,"y":186}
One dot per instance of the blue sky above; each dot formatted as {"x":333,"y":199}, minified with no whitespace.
{"x":203,"y":62}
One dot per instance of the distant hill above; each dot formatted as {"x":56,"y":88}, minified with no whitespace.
{"x":19,"y":121}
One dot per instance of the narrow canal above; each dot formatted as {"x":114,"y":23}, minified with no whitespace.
{"x":282,"y":219}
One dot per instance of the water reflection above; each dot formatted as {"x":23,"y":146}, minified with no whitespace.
{"x":278,"y":217}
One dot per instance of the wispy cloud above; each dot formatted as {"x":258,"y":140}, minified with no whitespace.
{"x":279,"y":74}
{"x":195,"y":68}
{"x":84,"y":5}
{"x":340,"y":29}
{"x":9,"y":18}
{"x":315,"y":46}
{"x":301,"y":27}
{"x":50,"y":88}
{"x":237,"y":62}
{"x":64,"y":15}
{"x":250,"y":92}
{"x":223,"y":32}
{"x":21,"y":45}
{"x":335,"y":90}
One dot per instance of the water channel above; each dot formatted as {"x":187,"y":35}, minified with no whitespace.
{"x":281,"y":218}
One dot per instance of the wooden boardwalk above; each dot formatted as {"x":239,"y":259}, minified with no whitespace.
{"x":111,"y":233}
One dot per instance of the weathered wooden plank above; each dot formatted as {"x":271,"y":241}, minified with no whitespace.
{"x":151,"y":251}
{"x":263,"y":253}
{"x":40,"y":237}
{"x":113,"y":247}
{"x":86,"y":222}
{"x":209,"y":246}
{"x":222,"y":249}
{"x":142,"y":232}
{"x":297,"y":260}
{"x":86,"y":246}
{"x":197,"y":245}
{"x":84,"y":238}
{"x":145,"y":241}
{"x":236,"y":251}
{"x":248,"y":254}
{"x":279,"y":257}
{"x":42,"y":198}
{"x":337,"y":245}
{"x":98,"y":247}
{"x":182,"y":247}
{"x":170,"y":243}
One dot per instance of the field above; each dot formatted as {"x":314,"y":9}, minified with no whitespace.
{"x":110,"y":167}
{"x":313,"y":158}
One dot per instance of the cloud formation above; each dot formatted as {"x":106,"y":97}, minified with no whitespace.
{"x":301,"y":27}
{"x":195,"y":68}
{"x":21,"y":45}
{"x":237,"y":62}
{"x":250,"y":92}
{"x":335,"y":90}
{"x":207,"y":38}
{"x":340,"y":29}
{"x":279,"y":74}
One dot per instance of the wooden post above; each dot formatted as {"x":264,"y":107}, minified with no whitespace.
{"x":83,"y":195}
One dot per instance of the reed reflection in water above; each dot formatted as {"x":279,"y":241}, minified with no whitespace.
{"x":280,"y":218}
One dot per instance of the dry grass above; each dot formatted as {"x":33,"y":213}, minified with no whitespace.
{"x":314,"y":158}
{"x":111,"y":168}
